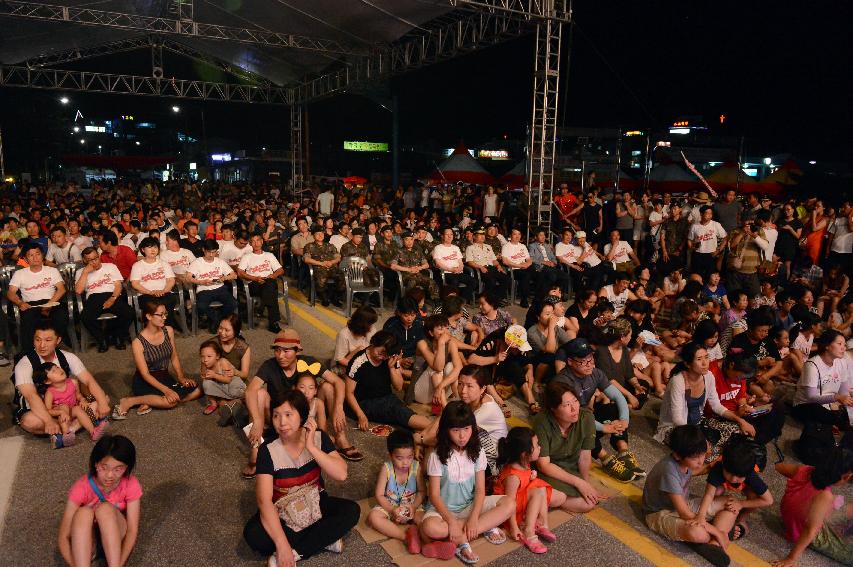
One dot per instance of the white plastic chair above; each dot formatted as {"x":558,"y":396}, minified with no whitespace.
{"x":353,"y":268}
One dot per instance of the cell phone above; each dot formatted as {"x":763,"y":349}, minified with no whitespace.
{"x":761,"y":410}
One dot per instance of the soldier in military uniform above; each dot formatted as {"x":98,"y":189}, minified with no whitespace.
{"x":412,"y":263}
{"x":493,"y":240}
{"x":424,"y":241}
{"x":358,"y":247}
{"x":324,"y":257}
{"x":384,"y":253}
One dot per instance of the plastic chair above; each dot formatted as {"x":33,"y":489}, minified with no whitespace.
{"x":353,"y":268}
{"x":193,"y":292}
{"x":283,"y":294}
{"x":85,"y":337}
{"x":180,"y":308}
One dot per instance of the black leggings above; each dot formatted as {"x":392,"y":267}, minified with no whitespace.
{"x":604,"y":413}
{"x":339,"y":517}
{"x":819,"y":414}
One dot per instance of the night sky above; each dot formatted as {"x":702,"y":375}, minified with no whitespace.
{"x":780,"y":72}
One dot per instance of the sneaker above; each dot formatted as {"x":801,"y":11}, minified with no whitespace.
{"x":337,"y":547}
{"x":631,"y":461}
{"x":618,"y":469}
{"x":3,"y":360}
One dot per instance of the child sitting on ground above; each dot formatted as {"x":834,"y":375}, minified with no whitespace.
{"x":667,"y":506}
{"x":220,"y":380}
{"x":734,"y":485}
{"x":400,"y":491}
{"x":307,"y":384}
{"x":689,"y":312}
{"x":533,"y":496}
{"x":64,"y":401}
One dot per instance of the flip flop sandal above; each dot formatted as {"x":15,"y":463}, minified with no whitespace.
{"x":495,"y":536}
{"x":741,"y":532}
{"x":248,"y":471}
{"x":713,"y":554}
{"x":534,"y":545}
{"x":145,"y":411}
{"x":466,"y":560}
{"x":505,"y":409}
{"x":534,"y":408}
{"x":545,"y":534}
{"x":118,"y":415}
{"x":351,"y":454}
{"x":210,"y":408}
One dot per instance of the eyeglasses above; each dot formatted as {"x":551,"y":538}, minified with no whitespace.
{"x":163,"y":315}
{"x":584,"y":361}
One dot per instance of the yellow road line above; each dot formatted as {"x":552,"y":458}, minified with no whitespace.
{"x":639,"y":543}
{"x":299,"y":296}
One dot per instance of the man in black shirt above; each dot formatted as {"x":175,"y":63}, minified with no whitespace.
{"x":371,"y":375}
{"x":755,"y":342}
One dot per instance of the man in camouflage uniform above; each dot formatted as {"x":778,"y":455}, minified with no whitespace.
{"x":423,"y":241}
{"x":493,"y":240}
{"x":384,"y":253}
{"x":411,"y":262}
{"x":324,"y":258}
{"x":358,"y":247}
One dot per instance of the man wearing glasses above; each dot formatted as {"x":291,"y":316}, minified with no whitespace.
{"x":100,"y":285}
{"x":611,"y":415}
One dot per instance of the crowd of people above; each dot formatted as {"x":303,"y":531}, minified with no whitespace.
{"x":721,"y":317}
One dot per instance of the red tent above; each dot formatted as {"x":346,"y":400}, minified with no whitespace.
{"x":461,"y":166}
{"x":355,"y":180}
{"x":515,"y":177}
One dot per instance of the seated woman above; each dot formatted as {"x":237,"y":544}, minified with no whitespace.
{"x":582,"y":313}
{"x":835,"y":286}
{"x":372,"y":376}
{"x":491,"y":316}
{"x":508,"y":363}
{"x":153,"y":350}
{"x":296,"y":517}
{"x":644,"y":287}
{"x":842,"y":319}
{"x":353,"y":337}
{"x":691,"y":387}
{"x":546,"y":335}
{"x":103,"y":506}
{"x":442,"y":363}
{"x":813,"y":516}
{"x":613,"y":357}
{"x":153,"y":278}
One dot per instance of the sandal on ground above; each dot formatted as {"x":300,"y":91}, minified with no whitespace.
{"x":144,"y":410}
{"x":545,"y":534}
{"x":248,"y":471}
{"x":118,"y":415}
{"x":351,"y":453}
{"x":211,"y":407}
{"x":738,"y":531}
{"x":533,"y":544}
{"x":443,"y":550}
{"x":534,"y":408}
{"x":506,"y":410}
{"x":495,"y":536}
{"x":460,"y":551}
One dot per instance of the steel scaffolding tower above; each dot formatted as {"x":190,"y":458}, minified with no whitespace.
{"x":543,"y":127}
{"x":297,"y":157}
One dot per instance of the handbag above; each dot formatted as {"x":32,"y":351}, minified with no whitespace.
{"x":300,"y":507}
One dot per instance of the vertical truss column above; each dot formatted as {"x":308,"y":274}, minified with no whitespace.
{"x":543,"y":127}
{"x":183,"y":9}
{"x":156,"y":58}
{"x":297,"y":158}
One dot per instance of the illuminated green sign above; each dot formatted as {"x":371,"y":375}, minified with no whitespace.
{"x":366,"y":146}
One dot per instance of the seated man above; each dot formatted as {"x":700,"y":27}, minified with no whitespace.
{"x":483,"y":258}
{"x":324,"y":257}
{"x":209,"y":273}
{"x":262,"y":270}
{"x":408,"y":329}
{"x":101,"y":287}
{"x":411,"y":262}
{"x":280,"y":374}
{"x":545,"y":263}
{"x":60,"y":249}
{"x":618,"y":293}
{"x":515,"y":256}
{"x":356,"y":246}
{"x":178,"y":257}
{"x":29,"y":411}
{"x":448,"y":258}
{"x":620,"y":253}
{"x":371,"y":374}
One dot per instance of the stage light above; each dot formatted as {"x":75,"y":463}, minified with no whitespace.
{"x":64,"y":100}
{"x":768,"y":161}
{"x":76,"y":128}
{"x":176,"y":109}
{"x":82,"y":141}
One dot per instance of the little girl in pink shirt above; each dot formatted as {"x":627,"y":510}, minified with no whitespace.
{"x":64,"y":401}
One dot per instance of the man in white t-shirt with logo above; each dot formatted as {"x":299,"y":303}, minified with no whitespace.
{"x":448,"y":258}
{"x":179,"y":259}
{"x":100,"y":285}
{"x":262,"y":270}
{"x":232,"y":254}
{"x":588,"y":261}
{"x":620,"y":253}
{"x":706,"y":238}
{"x":61,"y":250}
{"x":41,"y":289}
{"x":515,"y":255}
{"x":208,"y":273}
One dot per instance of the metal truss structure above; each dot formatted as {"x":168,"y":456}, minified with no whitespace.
{"x":86,"y":81}
{"x":185,"y":27}
{"x":472,"y":25}
{"x":541,"y":148}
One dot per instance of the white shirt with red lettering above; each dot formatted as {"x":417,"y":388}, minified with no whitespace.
{"x":102,"y":280}
{"x":179,"y":261}
{"x":230,"y":254}
{"x":152,"y":276}
{"x":260,"y":265}
{"x":515,"y":254}
{"x":566,"y":252}
{"x":201,"y":269}
{"x":447,"y":256}
{"x":707,"y":236}
{"x":36,"y":286}
{"x":622,"y":254}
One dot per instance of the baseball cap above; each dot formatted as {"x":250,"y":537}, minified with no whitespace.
{"x":577,"y":348}
{"x":408,"y":234}
{"x":317,"y":228}
{"x":580,"y":234}
{"x":287,"y":338}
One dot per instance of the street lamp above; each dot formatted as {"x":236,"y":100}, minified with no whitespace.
{"x":64,"y":100}
{"x":76,"y":128}
{"x":137,"y":143}
{"x":82,"y":141}
{"x":176,"y":109}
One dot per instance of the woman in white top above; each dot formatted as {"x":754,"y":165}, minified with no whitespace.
{"x":355,"y":336}
{"x":490,"y":203}
{"x":687,"y":394}
{"x":153,"y":278}
{"x":443,"y":363}
{"x":825,"y":381}
{"x":41,"y":289}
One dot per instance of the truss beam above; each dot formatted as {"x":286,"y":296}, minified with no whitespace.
{"x":466,"y":33}
{"x":525,"y":9}
{"x":182,"y":27}
{"x":84,"y":81}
